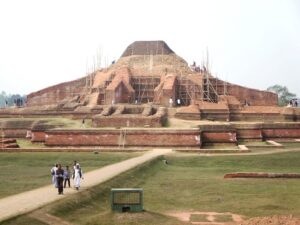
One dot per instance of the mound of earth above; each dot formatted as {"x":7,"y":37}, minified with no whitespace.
{"x":273,"y":220}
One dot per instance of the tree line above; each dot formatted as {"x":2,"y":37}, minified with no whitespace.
{"x":284,"y":95}
{"x":7,"y":100}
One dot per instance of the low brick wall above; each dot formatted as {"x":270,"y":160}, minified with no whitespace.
{"x":219,"y":137}
{"x":218,"y":115}
{"x":249,"y":134}
{"x":281,"y":133}
{"x":262,"y":175}
{"x":8,"y":143}
{"x":124,"y":137}
{"x":121,"y":116}
{"x":258,"y":117}
{"x":231,"y":132}
{"x":14,"y":133}
{"x":38,"y":136}
{"x":130,"y":121}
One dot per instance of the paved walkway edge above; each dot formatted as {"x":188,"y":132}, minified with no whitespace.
{"x":28,"y":201}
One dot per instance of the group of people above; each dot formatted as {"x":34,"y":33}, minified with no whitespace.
{"x":293,"y":103}
{"x":61,"y":177}
{"x":178,"y":102}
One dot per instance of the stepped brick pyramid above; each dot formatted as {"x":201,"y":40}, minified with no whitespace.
{"x":150,"y":71}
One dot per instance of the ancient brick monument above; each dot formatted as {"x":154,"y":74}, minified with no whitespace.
{"x":149,"y":71}
{"x":130,"y":102}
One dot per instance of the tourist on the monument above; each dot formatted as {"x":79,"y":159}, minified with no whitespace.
{"x":60,"y":179}
{"x":78,"y":174}
{"x":178,"y":101}
{"x":170,"y":102}
{"x":67,"y":174}
{"x":83,"y":123}
{"x":53,"y":172}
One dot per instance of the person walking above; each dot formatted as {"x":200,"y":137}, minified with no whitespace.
{"x":60,"y":179}
{"x":78,"y":174}
{"x":67,"y":176}
{"x":53,"y":172}
{"x":75,"y":163}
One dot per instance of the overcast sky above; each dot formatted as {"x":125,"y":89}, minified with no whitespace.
{"x":254,"y":43}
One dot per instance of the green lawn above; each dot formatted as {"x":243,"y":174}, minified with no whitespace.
{"x":191,"y":183}
{"x":26,"y":143}
{"x":24,"y":171}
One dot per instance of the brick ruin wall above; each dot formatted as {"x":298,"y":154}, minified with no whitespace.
{"x":262,"y":175}
{"x":252,"y":96}
{"x":14,"y":133}
{"x":160,"y":137}
{"x":119,"y":121}
{"x":66,"y":91}
{"x":168,"y":137}
{"x":122,"y":137}
{"x":57,"y":93}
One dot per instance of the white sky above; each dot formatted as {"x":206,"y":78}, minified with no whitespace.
{"x":254,"y":43}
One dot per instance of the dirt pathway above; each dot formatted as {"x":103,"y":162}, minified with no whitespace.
{"x":30,"y":200}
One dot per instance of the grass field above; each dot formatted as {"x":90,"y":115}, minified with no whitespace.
{"x":24,"y":171}
{"x":191,"y":183}
{"x":26,"y":143}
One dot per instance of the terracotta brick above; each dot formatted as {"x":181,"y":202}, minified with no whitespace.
{"x":158,"y":138}
{"x":38,"y":136}
{"x":219,"y":137}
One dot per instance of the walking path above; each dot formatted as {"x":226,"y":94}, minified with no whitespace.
{"x":27,"y":201}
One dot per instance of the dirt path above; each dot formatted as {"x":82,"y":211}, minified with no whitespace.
{"x":30,"y":200}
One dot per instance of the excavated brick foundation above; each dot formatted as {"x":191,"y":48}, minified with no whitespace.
{"x":206,"y":134}
{"x":262,"y":175}
{"x":124,"y":137}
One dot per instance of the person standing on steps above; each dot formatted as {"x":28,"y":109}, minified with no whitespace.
{"x":170,"y":102}
{"x":60,"y":179}
{"x":83,"y":123}
{"x":78,"y":174}
{"x":67,"y":173}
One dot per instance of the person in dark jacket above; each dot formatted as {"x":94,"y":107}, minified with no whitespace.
{"x":60,"y":179}
{"x":67,"y":174}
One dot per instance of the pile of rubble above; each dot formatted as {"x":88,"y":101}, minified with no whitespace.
{"x":8,"y":143}
{"x":273,"y":220}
